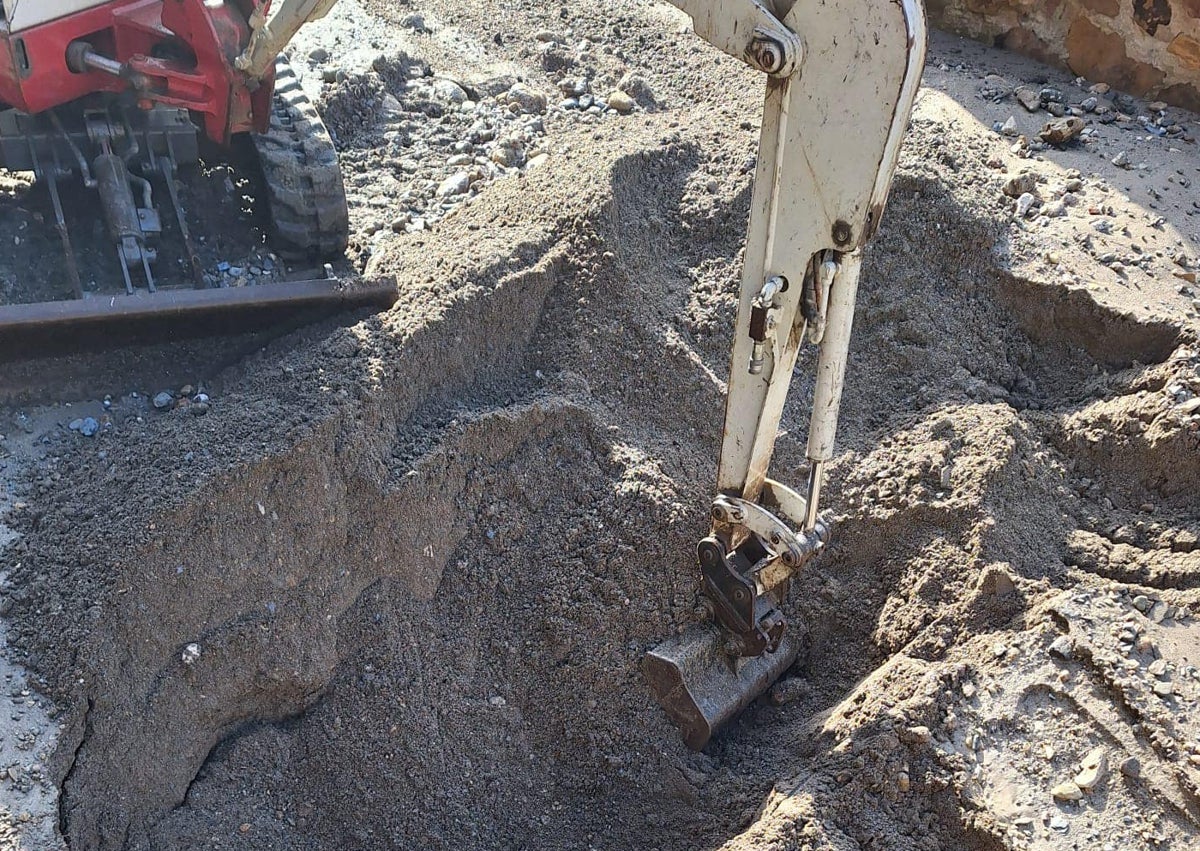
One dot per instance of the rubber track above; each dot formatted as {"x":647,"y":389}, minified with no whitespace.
{"x":305,"y":193}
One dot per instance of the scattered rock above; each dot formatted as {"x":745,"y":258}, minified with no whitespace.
{"x":1049,"y":94}
{"x":163,"y":400}
{"x":621,"y":102}
{"x":449,"y":90}
{"x":919,"y":735}
{"x":1028,"y":98}
{"x":1025,"y":203}
{"x":1060,"y":131}
{"x":1009,"y":127}
{"x":496,"y":86}
{"x":637,"y":88}
{"x":995,"y":87}
{"x":416,"y":23}
{"x":1068,"y":791}
{"x":1063,"y":647}
{"x":1019,"y":185}
{"x":191,"y":654}
{"x":522,"y":99}
{"x":456,"y":184}
{"x":1121,"y":160}
{"x":1126,"y":103}
{"x":1093,"y":770}
{"x":1131,"y":768}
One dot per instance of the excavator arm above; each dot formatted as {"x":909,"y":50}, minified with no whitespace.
{"x":272,"y":26}
{"x":843,"y":75}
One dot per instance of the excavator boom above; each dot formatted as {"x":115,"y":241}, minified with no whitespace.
{"x":843,"y":78}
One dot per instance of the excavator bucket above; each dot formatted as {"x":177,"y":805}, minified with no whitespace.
{"x":701,"y":687}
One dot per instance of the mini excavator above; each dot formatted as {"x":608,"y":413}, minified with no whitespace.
{"x":115,"y":93}
{"x":842,"y":76}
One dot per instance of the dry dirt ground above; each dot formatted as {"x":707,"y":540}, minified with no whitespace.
{"x":393,"y":588}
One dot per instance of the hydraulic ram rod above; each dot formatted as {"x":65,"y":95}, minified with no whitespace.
{"x":831,"y":375}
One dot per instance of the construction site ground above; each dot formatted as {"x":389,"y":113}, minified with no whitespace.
{"x":386,"y":581}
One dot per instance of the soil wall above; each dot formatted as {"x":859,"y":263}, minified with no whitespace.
{"x":1145,"y":47}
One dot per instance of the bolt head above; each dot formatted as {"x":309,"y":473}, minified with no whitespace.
{"x":767,"y":54}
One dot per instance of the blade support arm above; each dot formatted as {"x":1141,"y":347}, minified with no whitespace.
{"x":273,"y":26}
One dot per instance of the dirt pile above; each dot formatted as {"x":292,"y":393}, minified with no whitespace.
{"x":393,"y":588}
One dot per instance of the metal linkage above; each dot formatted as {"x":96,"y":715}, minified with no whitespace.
{"x":271,"y":33}
{"x":746,"y":564}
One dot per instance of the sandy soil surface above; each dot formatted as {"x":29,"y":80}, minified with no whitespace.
{"x":389,"y":582}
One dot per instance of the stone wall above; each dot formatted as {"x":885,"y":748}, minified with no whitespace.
{"x":1145,"y":47}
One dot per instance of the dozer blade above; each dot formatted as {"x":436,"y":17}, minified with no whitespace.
{"x":701,"y":687}
{"x":111,"y":320}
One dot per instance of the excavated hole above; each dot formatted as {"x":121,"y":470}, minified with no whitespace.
{"x":500,"y":699}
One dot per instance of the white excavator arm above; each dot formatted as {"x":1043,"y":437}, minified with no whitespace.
{"x":273,"y":27}
{"x":843,"y":78}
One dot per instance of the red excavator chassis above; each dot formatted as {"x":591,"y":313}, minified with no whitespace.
{"x":179,"y":53}
{"x":114,"y":94}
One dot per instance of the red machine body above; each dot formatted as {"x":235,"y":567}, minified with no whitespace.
{"x":177,"y":53}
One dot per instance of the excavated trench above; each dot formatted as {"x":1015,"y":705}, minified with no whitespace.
{"x":420,"y":558}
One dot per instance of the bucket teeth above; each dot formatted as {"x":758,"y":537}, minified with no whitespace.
{"x":701,"y":687}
